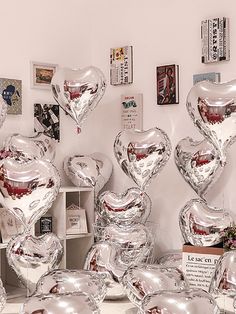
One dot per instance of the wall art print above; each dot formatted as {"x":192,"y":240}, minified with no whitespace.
{"x":41,"y":74}
{"x":47,"y":120}
{"x":11,"y":91}
{"x":121,"y":65}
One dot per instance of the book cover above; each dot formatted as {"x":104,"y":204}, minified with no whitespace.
{"x":47,"y":120}
{"x":132,"y":111}
{"x":121,"y":65}
{"x":167,"y":84}
{"x":11,"y":91}
{"x":211,"y":76}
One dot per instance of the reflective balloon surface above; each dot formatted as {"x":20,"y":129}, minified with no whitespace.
{"x":194,"y":301}
{"x":28,"y":187}
{"x":78,"y":91}
{"x":224,"y":277}
{"x":131,"y":207}
{"x":68,"y":281}
{"x":3,"y":110}
{"x":171,"y":259}
{"x":31,"y":257}
{"x":141,"y":280}
{"x":142,"y":155}
{"x":136,"y":241}
{"x":212,"y":108}
{"x":199,"y":163}
{"x":39,"y":146}
{"x":203,"y":225}
{"x":92,"y":170}
{"x":103,"y":257}
{"x":70,"y":303}
{"x":3,"y":296}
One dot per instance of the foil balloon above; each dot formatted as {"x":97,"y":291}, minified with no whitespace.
{"x":3,"y":296}
{"x":136,"y":242}
{"x":103,"y":258}
{"x":71,"y":303}
{"x":142,"y":154}
{"x":193,"y":301}
{"x":224,"y":277}
{"x":38,"y":146}
{"x":131,"y":207}
{"x":171,"y":259}
{"x":31,"y":257}
{"x":199,"y":163}
{"x":213,"y":111}
{"x":3,"y":110}
{"x":92,"y":170}
{"x":78,"y":91}
{"x":141,"y":280}
{"x":28,"y":187}
{"x":203,"y":225}
{"x":61,"y":281}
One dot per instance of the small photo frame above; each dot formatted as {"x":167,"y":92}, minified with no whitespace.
{"x":76,"y":222}
{"x":41,"y":74}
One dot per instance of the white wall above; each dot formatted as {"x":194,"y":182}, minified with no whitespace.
{"x":80,"y":33}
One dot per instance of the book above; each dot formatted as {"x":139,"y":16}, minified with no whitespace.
{"x":211,"y":76}
{"x":132,"y":111}
{"x":167,"y":84}
{"x":121,"y":65}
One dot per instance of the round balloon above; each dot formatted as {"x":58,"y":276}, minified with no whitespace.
{"x":78,"y":91}
{"x":212,"y":108}
{"x":142,"y":154}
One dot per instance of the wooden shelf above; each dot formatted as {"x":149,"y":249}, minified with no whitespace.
{"x":78,"y":236}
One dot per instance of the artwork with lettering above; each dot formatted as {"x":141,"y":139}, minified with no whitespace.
{"x":132,"y":111}
{"x":46,"y":120}
{"x":11,"y":91}
{"x":121,"y":65}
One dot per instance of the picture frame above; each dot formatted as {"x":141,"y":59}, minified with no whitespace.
{"x":121,"y":65}
{"x":76,"y":221}
{"x":41,"y":74}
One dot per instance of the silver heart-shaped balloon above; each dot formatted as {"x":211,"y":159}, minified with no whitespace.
{"x":71,"y":303}
{"x":142,"y":154}
{"x":193,"y":301}
{"x":28,"y":187}
{"x":61,"y":281}
{"x":31,"y":257}
{"x":199,"y":163}
{"x":78,"y":91}
{"x":88,"y":170}
{"x":131,"y":207}
{"x":38,"y":146}
{"x":203,"y":225}
{"x":171,"y":259}
{"x":141,"y":280}
{"x":3,"y":296}
{"x":3,"y":110}
{"x":212,"y":108}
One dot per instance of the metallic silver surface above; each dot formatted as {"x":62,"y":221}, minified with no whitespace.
{"x":171,"y":259}
{"x":131,"y":207}
{"x":31,"y":257}
{"x":78,"y":91}
{"x":69,"y":281}
{"x":193,"y":301}
{"x":28,"y":187}
{"x":3,"y":110}
{"x":142,"y":154}
{"x":103,"y":257}
{"x":141,"y":280}
{"x":88,"y":170}
{"x":39,"y":146}
{"x":69,"y":303}
{"x":3,"y":296}
{"x":203,"y":225}
{"x":199,"y":163}
{"x":213,"y":111}
{"x":224,"y":278}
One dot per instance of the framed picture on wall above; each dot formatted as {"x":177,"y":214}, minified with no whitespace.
{"x":121,"y":65}
{"x":11,"y":91}
{"x":41,"y":74}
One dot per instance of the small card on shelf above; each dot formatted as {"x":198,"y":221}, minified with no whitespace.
{"x":76,"y":222}
{"x":45,"y":224}
{"x":9,"y":225}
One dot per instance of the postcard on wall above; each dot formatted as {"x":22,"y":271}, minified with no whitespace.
{"x":11,"y":91}
{"x":132,"y":111}
{"x":215,"y":40}
{"x":167,"y":84}
{"x":213,"y":77}
{"x":121,"y":65}
{"x":47,"y":120}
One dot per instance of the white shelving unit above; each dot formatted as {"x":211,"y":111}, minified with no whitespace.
{"x":75,"y":246}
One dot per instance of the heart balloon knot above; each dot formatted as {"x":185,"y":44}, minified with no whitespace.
{"x":78,"y":130}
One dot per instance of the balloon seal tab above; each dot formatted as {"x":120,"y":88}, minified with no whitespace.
{"x":78,"y":130}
